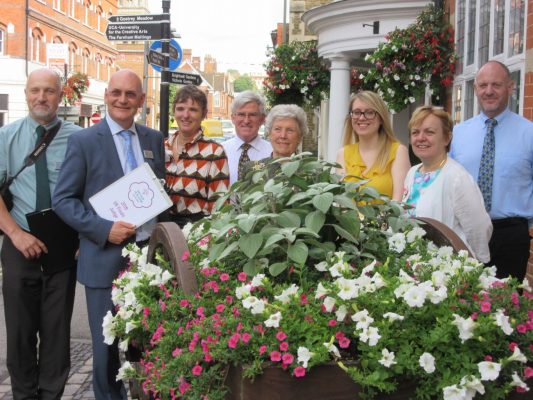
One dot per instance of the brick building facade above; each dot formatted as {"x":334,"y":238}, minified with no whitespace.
{"x":486,"y":30}
{"x":27,"y":27}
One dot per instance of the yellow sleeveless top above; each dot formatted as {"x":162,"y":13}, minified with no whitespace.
{"x":354,"y":165}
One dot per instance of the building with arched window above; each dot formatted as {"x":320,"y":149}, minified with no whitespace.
{"x":27,"y":31}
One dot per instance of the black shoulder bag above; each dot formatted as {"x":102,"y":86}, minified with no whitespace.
{"x":39,"y":149}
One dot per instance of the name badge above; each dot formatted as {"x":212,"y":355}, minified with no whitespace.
{"x":148,"y":154}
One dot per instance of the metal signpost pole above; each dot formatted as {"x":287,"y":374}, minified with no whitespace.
{"x":165,"y":73}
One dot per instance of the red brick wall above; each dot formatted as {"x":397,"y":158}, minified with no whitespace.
{"x":53,"y":23}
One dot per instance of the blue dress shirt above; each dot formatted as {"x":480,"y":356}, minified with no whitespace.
{"x":512,"y":187}
{"x":16,"y":141}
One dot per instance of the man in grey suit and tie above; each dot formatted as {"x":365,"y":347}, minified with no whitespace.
{"x":95,"y":158}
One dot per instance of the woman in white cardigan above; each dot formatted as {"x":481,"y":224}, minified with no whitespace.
{"x":441,"y":188}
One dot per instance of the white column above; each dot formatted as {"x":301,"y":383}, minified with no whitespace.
{"x":339,"y":96}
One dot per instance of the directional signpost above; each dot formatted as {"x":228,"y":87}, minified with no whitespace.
{"x":136,"y":27}
{"x":155,"y":57}
{"x":185,"y":78}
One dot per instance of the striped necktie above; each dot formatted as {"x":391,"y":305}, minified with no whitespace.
{"x":486,"y":166}
{"x":131,"y":162}
{"x":42,"y":189}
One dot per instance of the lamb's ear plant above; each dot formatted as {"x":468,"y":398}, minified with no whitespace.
{"x":296,"y":269}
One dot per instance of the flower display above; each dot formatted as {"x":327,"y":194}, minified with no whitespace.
{"x":296,"y":75}
{"x":73,"y":89}
{"x":302,"y":269}
{"x":412,"y":58}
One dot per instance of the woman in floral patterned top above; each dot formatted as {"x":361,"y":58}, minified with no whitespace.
{"x":196,"y":167}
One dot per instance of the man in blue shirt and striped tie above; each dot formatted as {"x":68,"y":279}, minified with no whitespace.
{"x":496,"y":147}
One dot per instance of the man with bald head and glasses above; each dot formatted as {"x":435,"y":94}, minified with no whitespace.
{"x":248,"y":114}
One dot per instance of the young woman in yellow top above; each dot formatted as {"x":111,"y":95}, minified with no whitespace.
{"x":371,"y":151}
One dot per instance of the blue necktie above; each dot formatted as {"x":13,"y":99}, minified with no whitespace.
{"x":486,"y":166}
{"x":131,"y":162}
{"x":42,"y":189}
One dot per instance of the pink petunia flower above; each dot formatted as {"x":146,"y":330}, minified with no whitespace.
{"x":176,"y":352}
{"x":275,"y":356}
{"x":287,"y":358}
{"x":246,"y":337}
{"x":284,"y":346}
{"x":485,"y":306}
{"x":521,"y":328}
{"x":528,"y":372}
{"x":185,"y":256}
{"x":299,"y":372}
{"x":344,"y":343}
{"x":242,"y":276}
{"x":332,"y":322}
{"x":512,"y":346}
{"x":224,"y":277}
{"x":281,"y":336}
{"x":197,"y":370}
{"x":262,"y":349}
{"x":220,"y":307}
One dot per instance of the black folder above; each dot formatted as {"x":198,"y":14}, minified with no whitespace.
{"x":60,"y":239}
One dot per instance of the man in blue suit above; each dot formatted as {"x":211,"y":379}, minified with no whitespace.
{"x":95,"y":158}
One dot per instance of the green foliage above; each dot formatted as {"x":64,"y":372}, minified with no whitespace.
{"x":296,"y":75}
{"x":296,"y":269}
{"x":411,"y":58}
{"x":242,"y":83}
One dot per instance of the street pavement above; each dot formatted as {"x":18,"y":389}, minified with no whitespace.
{"x":79,"y":382}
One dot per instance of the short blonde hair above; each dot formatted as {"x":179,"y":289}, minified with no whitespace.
{"x":422,"y":112}
{"x":385,"y":132}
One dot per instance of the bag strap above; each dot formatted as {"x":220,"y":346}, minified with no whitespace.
{"x":39,"y":149}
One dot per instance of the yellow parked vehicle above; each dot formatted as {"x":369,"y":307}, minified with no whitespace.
{"x":213,"y":128}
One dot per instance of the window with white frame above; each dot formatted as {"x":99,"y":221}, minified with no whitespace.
{"x":2,"y":41}
{"x":87,"y":13}
{"x":85,"y":61}
{"x":216,"y":102}
{"x":99,"y":16}
{"x":486,"y":30}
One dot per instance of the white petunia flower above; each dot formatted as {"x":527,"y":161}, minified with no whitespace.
{"x":363,"y":319}
{"x":427,"y":361}
{"x":472,"y":385}
{"x":304,"y":355}
{"x":393,"y":316}
{"x":123,"y":345}
{"x":519,"y":382}
{"x":502,"y":321}
{"x":439,"y":295}
{"x":348,"y":288}
{"x":526,"y":286}
{"x":243,"y":291}
{"x":397,"y":242}
{"x":370,"y":335}
{"x":329,"y":303}
{"x":123,"y":370}
{"x":273,"y":320}
{"x":517,"y":356}
{"x":130,"y":326}
{"x":322,"y":266}
{"x":285,"y":296}
{"x":466,"y":327}
{"x":258,"y":280}
{"x":333,"y":349}
{"x":341,"y":313}
{"x":388,"y":358}
{"x":415,"y":296}
{"x":186,"y":230}
{"x":489,"y":370}
{"x":320,"y":291}
{"x":415,"y":233}
{"x":454,"y":393}
{"x":108,"y":326}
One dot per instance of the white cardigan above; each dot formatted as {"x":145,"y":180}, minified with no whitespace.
{"x":454,"y":199}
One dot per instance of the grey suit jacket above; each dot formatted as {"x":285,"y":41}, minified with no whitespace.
{"x":92,"y":163}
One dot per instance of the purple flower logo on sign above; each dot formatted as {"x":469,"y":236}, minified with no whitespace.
{"x":140,"y":195}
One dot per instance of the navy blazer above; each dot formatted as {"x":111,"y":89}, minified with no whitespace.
{"x":91,"y":164}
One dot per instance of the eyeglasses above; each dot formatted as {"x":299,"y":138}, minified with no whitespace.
{"x":243,"y":115}
{"x":368,"y":114}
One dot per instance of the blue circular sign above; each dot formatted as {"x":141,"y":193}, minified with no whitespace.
{"x":175,"y":55}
